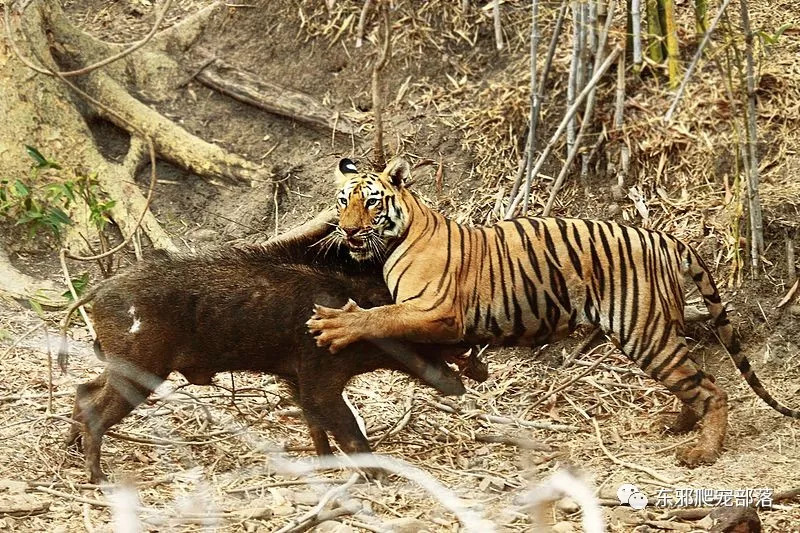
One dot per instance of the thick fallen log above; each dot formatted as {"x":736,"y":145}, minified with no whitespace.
{"x":250,"y":89}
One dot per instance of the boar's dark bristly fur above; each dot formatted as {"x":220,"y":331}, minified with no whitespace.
{"x":240,"y":309}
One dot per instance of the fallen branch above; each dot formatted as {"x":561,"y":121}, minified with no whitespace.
{"x":520,"y":442}
{"x":258,"y":92}
{"x":315,"y":516}
{"x":632,"y":466}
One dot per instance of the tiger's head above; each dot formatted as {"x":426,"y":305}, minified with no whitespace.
{"x":370,"y":207}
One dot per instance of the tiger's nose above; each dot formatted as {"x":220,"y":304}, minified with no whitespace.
{"x":351,"y":232}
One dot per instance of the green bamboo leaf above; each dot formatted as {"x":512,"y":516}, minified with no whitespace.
{"x":36,"y":155}
{"x":20,"y":189}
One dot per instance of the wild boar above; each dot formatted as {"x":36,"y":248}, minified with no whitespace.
{"x":238,"y":309}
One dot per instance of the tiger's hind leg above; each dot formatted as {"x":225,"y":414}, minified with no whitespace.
{"x":703,"y":400}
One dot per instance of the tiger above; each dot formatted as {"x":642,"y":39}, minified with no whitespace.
{"x":531,"y":281}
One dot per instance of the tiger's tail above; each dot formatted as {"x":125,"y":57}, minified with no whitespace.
{"x":719,"y":317}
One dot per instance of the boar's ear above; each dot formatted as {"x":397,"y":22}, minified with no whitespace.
{"x":398,"y":171}
{"x":344,"y":171}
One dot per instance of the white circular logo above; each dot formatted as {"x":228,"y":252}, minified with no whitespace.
{"x":625,"y":491}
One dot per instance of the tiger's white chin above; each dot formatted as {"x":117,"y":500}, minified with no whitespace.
{"x":360,"y":253}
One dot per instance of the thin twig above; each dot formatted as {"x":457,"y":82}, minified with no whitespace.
{"x":335,"y":492}
{"x":377,"y":89}
{"x":68,"y":280}
{"x":626,"y":464}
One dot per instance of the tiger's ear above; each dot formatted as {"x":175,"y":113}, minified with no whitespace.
{"x":398,"y":171}
{"x":344,"y":171}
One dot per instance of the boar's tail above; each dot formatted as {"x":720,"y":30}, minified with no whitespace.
{"x":63,"y":349}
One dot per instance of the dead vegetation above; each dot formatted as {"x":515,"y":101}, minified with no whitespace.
{"x":198,"y":458}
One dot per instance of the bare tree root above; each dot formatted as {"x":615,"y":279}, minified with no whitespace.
{"x":20,"y":286}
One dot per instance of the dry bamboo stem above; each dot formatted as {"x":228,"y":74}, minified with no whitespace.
{"x":673,"y":53}
{"x":791,"y":273}
{"x":695,"y":60}
{"x":563,"y":125}
{"x":531,"y":140}
{"x":587,"y":115}
{"x":636,"y":25}
{"x":498,"y":28}
{"x":534,"y":101}
{"x":619,"y":122}
{"x":582,"y":18}
{"x":756,"y":221}
{"x":362,"y":21}
{"x":573,"y":71}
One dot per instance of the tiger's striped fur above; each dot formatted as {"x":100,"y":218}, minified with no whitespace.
{"x":530,"y":281}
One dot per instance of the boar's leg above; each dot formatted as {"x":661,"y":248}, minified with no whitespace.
{"x":323,"y":405}
{"x":123,"y":389}
{"x":83,"y":396}
{"x":318,"y":434}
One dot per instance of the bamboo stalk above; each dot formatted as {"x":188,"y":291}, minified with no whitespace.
{"x":534,"y":100}
{"x":619,"y":122}
{"x":542,"y":84}
{"x":636,"y":30}
{"x":655,"y":33}
{"x":587,"y":116}
{"x":362,"y":21}
{"x":498,"y":28}
{"x":695,"y":59}
{"x":671,"y":30}
{"x":701,"y":17}
{"x":573,"y":71}
{"x":756,"y":220}
{"x":580,"y":70}
{"x":563,"y":124}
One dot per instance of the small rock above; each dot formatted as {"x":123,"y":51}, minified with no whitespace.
{"x":305,"y":498}
{"x":406,"y":525}
{"x":564,"y":527}
{"x":618,"y":192}
{"x":332,"y":526}
{"x":735,"y":520}
{"x":282,"y":510}
{"x":614,"y":210}
{"x":567,"y":505}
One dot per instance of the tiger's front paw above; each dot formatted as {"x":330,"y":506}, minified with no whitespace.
{"x":335,"y":328}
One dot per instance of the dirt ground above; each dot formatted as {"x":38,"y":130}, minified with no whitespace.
{"x":200,"y":461}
